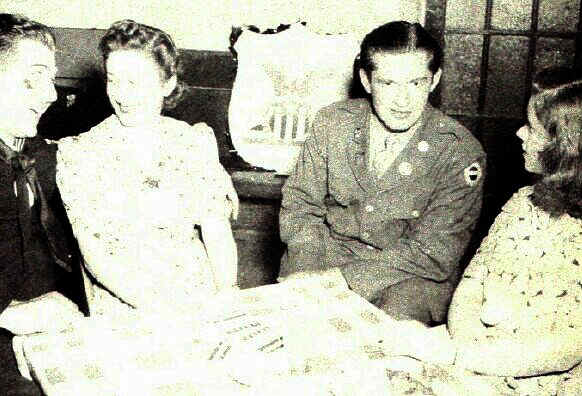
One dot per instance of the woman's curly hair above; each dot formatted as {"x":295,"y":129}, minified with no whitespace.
{"x":130,"y":35}
{"x":557,"y":102}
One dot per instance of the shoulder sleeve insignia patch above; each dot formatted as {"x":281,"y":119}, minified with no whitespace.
{"x":473,"y":174}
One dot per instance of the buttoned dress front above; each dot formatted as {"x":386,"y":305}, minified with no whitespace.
{"x":414,"y":221}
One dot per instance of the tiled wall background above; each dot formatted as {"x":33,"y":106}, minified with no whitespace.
{"x":511,"y":30}
{"x":493,"y":48}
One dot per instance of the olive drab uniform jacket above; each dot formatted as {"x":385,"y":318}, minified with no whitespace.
{"x":414,"y":221}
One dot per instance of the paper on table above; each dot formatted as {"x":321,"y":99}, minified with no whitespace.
{"x":300,"y":333}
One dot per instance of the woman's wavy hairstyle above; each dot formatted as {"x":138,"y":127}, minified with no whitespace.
{"x":130,"y":35}
{"x":557,"y":102}
{"x":17,"y":27}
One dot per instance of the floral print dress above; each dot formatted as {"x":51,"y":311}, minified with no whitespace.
{"x":134,"y":197}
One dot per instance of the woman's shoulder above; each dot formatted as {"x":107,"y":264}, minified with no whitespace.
{"x":515,"y":218}
{"x":183,"y":129}
{"x":521,"y":203}
{"x":92,"y":136}
{"x":518,"y":206}
{"x":521,"y":195}
{"x":526,"y":224}
{"x":521,"y":214}
{"x":198,"y":137}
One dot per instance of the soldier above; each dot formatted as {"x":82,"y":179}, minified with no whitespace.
{"x":40,"y":271}
{"x":387,"y":189}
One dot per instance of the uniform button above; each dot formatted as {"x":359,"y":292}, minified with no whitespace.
{"x":405,"y":168}
{"x":370,"y":247}
{"x":365,"y":234}
{"x":369,"y":208}
{"x":415,"y":213}
{"x":423,"y":146}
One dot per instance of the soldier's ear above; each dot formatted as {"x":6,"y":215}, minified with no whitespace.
{"x":365,"y":81}
{"x":436,"y":78}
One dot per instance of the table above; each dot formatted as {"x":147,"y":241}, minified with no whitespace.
{"x":305,"y":336}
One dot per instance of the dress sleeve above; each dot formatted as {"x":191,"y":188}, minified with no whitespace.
{"x":208,"y":177}
{"x":82,"y":191}
{"x":69,"y":181}
{"x":464,"y":317}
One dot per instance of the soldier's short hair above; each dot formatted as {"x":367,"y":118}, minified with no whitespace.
{"x":15,"y":27}
{"x":399,"y":37}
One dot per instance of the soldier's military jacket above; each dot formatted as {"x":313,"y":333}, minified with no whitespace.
{"x":414,"y":221}
{"x":22,"y":279}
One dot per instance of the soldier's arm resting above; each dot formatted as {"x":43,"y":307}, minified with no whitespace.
{"x":434,"y":245}
{"x":301,"y":218}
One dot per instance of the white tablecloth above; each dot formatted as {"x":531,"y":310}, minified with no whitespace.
{"x":311,"y":336}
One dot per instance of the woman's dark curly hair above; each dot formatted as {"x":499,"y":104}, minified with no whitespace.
{"x":557,"y":103}
{"x":130,"y":35}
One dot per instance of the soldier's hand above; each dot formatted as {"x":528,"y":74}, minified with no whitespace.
{"x":332,"y":275}
{"x":344,"y":220}
{"x":49,"y":312}
{"x":365,"y":252}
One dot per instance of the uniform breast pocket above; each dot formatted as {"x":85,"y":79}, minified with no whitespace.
{"x":405,"y":205}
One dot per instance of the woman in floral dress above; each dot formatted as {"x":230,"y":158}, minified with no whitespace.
{"x":146,"y":194}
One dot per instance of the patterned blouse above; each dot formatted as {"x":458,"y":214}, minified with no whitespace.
{"x":531,"y":265}
{"x":133,"y":196}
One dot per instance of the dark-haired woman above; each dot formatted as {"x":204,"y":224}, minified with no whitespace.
{"x":139,"y":185}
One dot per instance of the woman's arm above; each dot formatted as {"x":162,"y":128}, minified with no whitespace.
{"x":532,"y":355}
{"x":464,"y":316}
{"x":219,"y":202}
{"x":221,"y":250}
{"x":231,"y":194}
{"x":535,"y":354}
